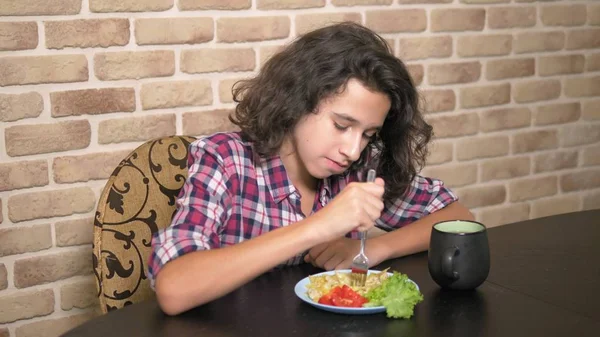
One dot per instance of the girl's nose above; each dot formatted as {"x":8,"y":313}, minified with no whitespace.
{"x":351,"y":147}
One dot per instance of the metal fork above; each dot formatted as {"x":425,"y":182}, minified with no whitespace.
{"x":360,"y":263}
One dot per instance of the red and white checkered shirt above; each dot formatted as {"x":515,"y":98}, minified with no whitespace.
{"x":231,"y":195}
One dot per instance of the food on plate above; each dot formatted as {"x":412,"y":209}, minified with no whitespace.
{"x":323,"y":284}
{"x":395,"y":292}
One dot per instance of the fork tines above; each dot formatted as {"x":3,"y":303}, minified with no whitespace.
{"x":358,"y":277}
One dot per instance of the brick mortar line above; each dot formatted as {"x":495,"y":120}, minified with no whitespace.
{"x":212,"y":13}
{"x":45,"y":252}
{"x":85,"y":13}
{"x":53,"y":234}
{"x":91,"y":64}
{"x":179,"y":110}
{"x":487,"y":59}
{"x":46,"y":114}
{"x":580,"y":158}
{"x":85,"y":7}
{"x":177,"y":62}
{"x":132,"y":46}
{"x":101,"y":148}
{"x":138,"y":106}
{"x":41,"y":45}
{"x":511,"y":105}
{"x":3,"y":154}
{"x":49,"y":221}
{"x":179,"y":124}
{"x":532,"y":175}
{"x":52,"y":221}
{"x":215,"y":15}
{"x":9,"y":274}
{"x":132,"y":39}
{"x":51,"y":186}
{"x":535,"y":128}
{"x":577,"y":194}
{"x":94,"y":131}
{"x":57,"y":299}
{"x":92,"y":82}
{"x":91,"y":149}
{"x":214,"y":87}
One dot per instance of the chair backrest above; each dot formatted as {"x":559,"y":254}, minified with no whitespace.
{"x":138,"y":200}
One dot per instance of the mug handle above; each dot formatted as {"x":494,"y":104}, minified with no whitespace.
{"x":448,"y":263}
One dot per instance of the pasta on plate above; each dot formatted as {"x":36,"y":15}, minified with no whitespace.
{"x":323,"y":284}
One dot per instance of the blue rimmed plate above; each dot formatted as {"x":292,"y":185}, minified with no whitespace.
{"x":300,"y":290}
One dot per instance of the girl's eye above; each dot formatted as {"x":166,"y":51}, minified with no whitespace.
{"x":339,"y":127}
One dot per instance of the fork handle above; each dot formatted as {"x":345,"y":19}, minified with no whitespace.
{"x":371,"y":174}
{"x":363,"y":240}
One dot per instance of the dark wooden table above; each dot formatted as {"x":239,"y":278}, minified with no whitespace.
{"x":544,"y":281}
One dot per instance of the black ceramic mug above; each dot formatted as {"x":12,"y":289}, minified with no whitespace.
{"x":459,"y":255}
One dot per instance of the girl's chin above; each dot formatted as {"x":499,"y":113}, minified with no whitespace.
{"x":326,"y":173}
{"x":320,"y":172}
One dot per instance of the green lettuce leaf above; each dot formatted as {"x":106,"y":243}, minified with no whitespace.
{"x":398,"y":294}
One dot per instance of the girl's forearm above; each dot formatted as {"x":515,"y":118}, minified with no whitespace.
{"x":199,"y":277}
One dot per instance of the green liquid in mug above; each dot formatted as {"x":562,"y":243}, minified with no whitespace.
{"x":459,"y":227}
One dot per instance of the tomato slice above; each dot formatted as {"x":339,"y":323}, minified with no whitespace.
{"x":342,"y":302}
{"x":338,"y":291}
{"x":348,"y":292}
{"x":343,"y":296}
{"x":357,"y":299}
{"x":326,"y":299}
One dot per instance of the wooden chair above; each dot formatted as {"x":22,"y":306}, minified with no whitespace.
{"x":138,"y":200}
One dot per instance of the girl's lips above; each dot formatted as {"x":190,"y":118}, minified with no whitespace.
{"x":337,"y":165}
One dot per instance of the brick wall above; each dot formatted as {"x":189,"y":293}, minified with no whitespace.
{"x":512,"y":88}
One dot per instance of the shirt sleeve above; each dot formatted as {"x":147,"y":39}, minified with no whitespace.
{"x":201,"y":209}
{"x":424,"y":196}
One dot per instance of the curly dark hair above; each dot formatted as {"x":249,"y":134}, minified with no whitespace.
{"x":317,"y":66}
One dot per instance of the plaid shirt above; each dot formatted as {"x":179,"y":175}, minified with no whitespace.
{"x":231,"y":195}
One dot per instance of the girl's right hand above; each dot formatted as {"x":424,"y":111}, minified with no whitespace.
{"x":357,"y":207}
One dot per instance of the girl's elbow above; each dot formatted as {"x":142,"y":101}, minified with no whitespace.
{"x":167,"y":297}
{"x":174,"y":298}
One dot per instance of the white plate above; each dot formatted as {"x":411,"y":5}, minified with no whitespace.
{"x":300,"y":290}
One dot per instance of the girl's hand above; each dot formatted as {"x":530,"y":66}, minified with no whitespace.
{"x":356,"y":207}
{"x":338,"y":254}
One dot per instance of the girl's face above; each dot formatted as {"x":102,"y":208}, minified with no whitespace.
{"x":329,"y":141}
